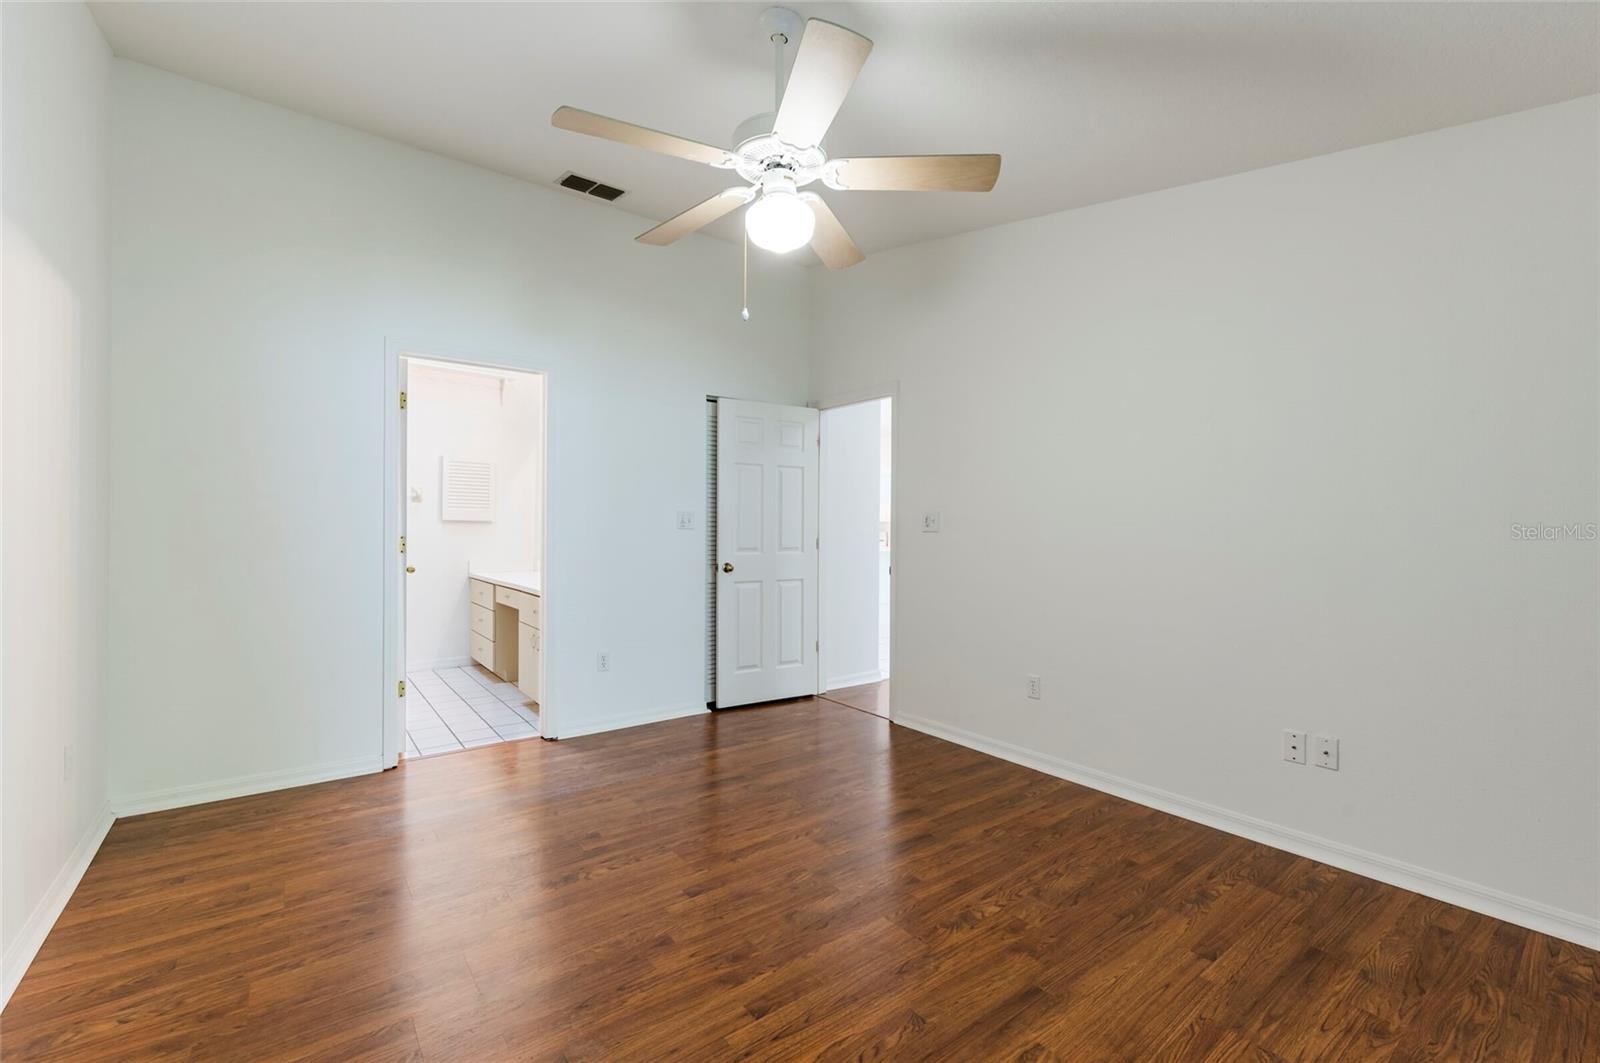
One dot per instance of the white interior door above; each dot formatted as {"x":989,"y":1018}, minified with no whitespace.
{"x":767,"y":552}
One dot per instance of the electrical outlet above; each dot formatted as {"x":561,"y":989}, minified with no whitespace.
{"x":1325,"y":752}
{"x":1294,"y":747}
{"x":1033,"y":687}
{"x":930,"y":522}
{"x":686,"y":520}
{"x":602,"y":661}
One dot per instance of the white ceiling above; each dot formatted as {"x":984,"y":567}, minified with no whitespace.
{"x":1087,"y":102}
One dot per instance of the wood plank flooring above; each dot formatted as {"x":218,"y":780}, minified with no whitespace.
{"x":800,"y":881}
{"x":868,"y":697}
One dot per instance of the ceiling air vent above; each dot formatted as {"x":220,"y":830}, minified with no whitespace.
{"x":589,"y":187}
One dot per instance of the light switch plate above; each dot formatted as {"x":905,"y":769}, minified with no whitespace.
{"x":930,"y":522}
{"x":1325,"y":752}
{"x":1294,"y":747}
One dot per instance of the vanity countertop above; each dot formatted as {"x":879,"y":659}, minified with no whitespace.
{"x":527,"y":582}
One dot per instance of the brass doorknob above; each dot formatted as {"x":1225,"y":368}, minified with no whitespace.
{"x":727,"y":566}
{"x":410,"y":569}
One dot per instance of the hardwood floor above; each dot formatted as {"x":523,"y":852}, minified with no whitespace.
{"x":868,"y":697}
{"x":793,"y":882}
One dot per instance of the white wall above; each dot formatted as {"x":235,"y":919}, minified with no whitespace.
{"x":476,"y":417}
{"x":252,"y":245}
{"x":53,"y":461}
{"x":849,"y":513}
{"x":1246,"y":455}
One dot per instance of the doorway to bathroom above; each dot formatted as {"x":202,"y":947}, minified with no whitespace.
{"x":466,"y":638}
{"x":856,"y":479}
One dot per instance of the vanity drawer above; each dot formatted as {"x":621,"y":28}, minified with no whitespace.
{"x":482,"y":593}
{"x":482,"y":650}
{"x":482,"y":621}
{"x":526,"y":605}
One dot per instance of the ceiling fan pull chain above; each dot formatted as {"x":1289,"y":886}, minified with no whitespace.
{"x":744,"y":312}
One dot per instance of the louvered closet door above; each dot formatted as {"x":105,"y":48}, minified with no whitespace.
{"x":767,"y":552}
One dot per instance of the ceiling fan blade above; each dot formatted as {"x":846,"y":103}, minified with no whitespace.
{"x":915,"y":173}
{"x":697,"y":216}
{"x":824,"y":68}
{"x":829,"y":240}
{"x":598,"y":125}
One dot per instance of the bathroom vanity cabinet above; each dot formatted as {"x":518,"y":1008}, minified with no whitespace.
{"x":504,"y":634}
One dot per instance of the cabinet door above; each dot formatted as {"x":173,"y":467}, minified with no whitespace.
{"x":528,"y":660}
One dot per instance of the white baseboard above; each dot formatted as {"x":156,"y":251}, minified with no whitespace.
{"x":839,"y":682}
{"x":632,"y":719}
{"x":1570,"y":926}
{"x":243,"y":786}
{"x":441,"y":662}
{"x":15,"y":962}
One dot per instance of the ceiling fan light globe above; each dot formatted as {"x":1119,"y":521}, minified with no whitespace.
{"x":779,"y":222}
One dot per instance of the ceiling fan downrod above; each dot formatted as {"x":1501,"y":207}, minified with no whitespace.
{"x":782,"y":26}
{"x":778,"y":43}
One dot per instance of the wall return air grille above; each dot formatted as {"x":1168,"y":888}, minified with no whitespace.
{"x":468,"y":492}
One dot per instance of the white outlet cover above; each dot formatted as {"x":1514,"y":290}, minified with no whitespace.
{"x":686,"y":520}
{"x":1325,"y":752}
{"x":1033,"y":687}
{"x":1294,"y":747}
{"x":930,"y":522}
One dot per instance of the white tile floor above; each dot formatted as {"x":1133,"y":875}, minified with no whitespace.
{"x":458,"y":708}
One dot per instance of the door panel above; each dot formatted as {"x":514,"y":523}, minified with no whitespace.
{"x":747,"y":492}
{"x":747,"y":626}
{"x":791,"y":622}
{"x":791,"y":508}
{"x":767,"y":530}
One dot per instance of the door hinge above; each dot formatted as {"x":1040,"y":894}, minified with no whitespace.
{"x":402,"y":688}
{"x":402,"y":400}
{"x":402,"y":544}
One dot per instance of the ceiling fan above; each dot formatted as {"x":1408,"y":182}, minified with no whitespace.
{"x":780,"y":152}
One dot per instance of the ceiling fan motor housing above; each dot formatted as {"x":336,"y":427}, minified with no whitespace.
{"x":763,"y":156}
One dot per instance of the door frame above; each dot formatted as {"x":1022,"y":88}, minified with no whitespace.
{"x":395,"y":351}
{"x":891,"y":391}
